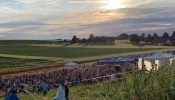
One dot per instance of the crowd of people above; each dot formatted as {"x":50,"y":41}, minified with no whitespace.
{"x":42,"y":82}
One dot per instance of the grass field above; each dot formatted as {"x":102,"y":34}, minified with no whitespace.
{"x":66,"y":52}
{"x":20,"y":56}
{"x":19,"y":42}
{"x":136,"y":86}
{"x":13,"y":63}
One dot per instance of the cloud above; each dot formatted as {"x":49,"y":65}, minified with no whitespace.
{"x":37,"y":1}
{"x":42,"y":19}
{"x":130,"y":25}
{"x":2,"y":36}
{"x":20,"y":24}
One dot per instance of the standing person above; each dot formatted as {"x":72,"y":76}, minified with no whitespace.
{"x":66,"y":92}
{"x":0,"y":80}
{"x":45,"y":88}
{"x":60,"y":94}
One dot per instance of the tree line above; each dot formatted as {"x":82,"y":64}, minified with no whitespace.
{"x":134,"y":38}
{"x":94,"y":39}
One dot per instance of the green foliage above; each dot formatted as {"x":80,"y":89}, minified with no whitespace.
{"x":165,"y":35}
{"x":134,"y":38}
{"x":173,"y":35}
{"x":74,"y":39}
{"x":123,"y":36}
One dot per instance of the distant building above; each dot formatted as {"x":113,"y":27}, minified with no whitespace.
{"x":142,"y":42}
{"x":170,"y":41}
{"x":62,"y":41}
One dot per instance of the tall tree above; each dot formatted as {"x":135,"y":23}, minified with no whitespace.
{"x":79,"y":40}
{"x":74,"y":39}
{"x":165,"y":35}
{"x":123,"y":36}
{"x":142,"y":37}
{"x":84,"y":40}
{"x":155,"y":36}
{"x":91,"y":37}
{"x":65,"y":40}
{"x":149,"y":38}
{"x":173,"y":35}
{"x":134,"y":38}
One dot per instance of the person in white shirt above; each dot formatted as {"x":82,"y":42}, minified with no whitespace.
{"x":60,"y":94}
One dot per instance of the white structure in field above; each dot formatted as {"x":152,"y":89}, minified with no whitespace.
{"x":157,"y":60}
{"x":71,"y":63}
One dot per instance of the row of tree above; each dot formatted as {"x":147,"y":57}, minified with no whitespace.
{"x":94,"y":39}
{"x":135,"y":38}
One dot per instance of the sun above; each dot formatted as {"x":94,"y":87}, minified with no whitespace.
{"x":113,"y":4}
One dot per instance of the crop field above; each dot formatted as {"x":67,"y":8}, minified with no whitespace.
{"x":19,"y":42}
{"x":66,"y":52}
{"x":15,"y":57}
{"x":7,"y":63}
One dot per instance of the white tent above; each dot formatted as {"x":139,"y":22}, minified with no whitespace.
{"x":159,"y":56}
{"x":71,"y":63}
{"x":158,"y":59}
{"x":140,"y":63}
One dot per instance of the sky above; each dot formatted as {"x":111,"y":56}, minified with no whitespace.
{"x":53,"y":19}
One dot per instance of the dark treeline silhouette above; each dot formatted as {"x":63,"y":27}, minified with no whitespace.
{"x":95,"y":39}
{"x":134,"y":38}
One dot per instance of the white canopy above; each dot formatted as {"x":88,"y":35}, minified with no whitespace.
{"x":71,"y":63}
{"x":159,"y":56}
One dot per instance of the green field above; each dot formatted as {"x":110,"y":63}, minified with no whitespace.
{"x":136,"y":86}
{"x":22,"y":42}
{"x":66,"y":52}
{"x":22,"y":56}
{"x":13,"y":63}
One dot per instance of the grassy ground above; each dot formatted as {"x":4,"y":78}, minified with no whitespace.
{"x":157,"y":85}
{"x":45,"y":54}
{"x":66,"y":52}
{"x":13,"y":63}
{"x":19,"y":42}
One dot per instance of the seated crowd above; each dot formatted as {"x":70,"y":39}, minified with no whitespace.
{"x":38,"y":82}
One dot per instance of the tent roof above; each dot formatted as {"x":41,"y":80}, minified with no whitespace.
{"x":131,"y":58}
{"x":159,"y":56}
{"x":71,"y":63}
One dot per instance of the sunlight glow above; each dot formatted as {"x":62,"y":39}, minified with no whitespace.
{"x":113,"y":4}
